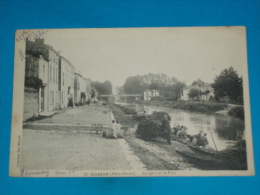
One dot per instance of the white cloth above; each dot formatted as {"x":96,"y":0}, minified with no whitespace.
{"x":114,"y":128}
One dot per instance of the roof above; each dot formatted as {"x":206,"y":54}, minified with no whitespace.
{"x":67,"y":62}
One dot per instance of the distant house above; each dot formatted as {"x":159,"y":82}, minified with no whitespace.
{"x":82,"y":89}
{"x":206,"y":93}
{"x":148,"y":94}
{"x":184,"y":93}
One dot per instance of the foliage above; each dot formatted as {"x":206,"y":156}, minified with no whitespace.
{"x":167,"y":86}
{"x":238,"y":112}
{"x":153,"y":86}
{"x":228,"y":83}
{"x":198,"y":82}
{"x":194,"y":93}
{"x":204,"y":107}
{"x":33,"y":82}
{"x":157,"y":98}
{"x":120,"y":90}
{"x":133,"y":85}
{"x":103,"y":88}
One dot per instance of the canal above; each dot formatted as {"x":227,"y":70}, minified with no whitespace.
{"x":222,"y":129}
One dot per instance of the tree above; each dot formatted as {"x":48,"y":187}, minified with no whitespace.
{"x":198,"y":82}
{"x":167,"y":86}
{"x":229,"y":84}
{"x":107,"y":85}
{"x":120,"y":90}
{"x":194,"y":93}
{"x":153,"y":86}
{"x":103,"y":88}
{"x":132,"y":85}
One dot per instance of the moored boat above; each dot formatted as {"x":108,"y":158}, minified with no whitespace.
{"x":202,"y":161}
{"x":199,"y":150}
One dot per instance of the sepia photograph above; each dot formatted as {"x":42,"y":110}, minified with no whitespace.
{"x":131,"y":102}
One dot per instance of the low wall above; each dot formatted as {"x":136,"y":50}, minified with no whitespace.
{"x":31,"y":103}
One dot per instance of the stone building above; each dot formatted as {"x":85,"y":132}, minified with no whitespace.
{"x":36,"y":84}
{"x":51,"y":71}
{"x":66,"y":82}
{"x":82,"y":89}
{"x":206,"y":93}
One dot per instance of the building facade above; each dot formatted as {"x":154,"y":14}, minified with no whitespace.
{"x":51,"y":82}
{"x":148,"y":94}
{"x":50,"y":94}
{"x":66,"y":82}
{"x":81,"y":89}
{"x":206,"y":93}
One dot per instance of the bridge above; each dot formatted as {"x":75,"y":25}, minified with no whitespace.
{"x":121,"y":95}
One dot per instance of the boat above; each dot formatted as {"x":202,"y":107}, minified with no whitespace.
{"x":209,"y":152}
{"x":179,"y":139}
{"x":202,"y":161}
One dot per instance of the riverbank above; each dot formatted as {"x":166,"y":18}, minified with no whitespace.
{"x":157,"y":154}
{"x":195,"y":106}
{"x":238,"y":112}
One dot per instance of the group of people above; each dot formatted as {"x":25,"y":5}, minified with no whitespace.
{"x":181,"y":131}
{"x":199,"y":139}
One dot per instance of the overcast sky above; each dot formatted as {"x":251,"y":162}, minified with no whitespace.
{"x":185,"y":53}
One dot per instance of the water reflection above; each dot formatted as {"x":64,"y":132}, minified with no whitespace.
{"x":225,"y":130}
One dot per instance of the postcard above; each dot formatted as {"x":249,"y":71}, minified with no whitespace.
{"x":131,"y":102}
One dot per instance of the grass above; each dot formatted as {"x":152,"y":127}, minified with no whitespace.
{"x":238,"y":112}
{"x":205,"y":107}
{"x":197,"y":106}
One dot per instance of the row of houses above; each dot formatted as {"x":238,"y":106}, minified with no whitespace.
{"x":206,"y":93}
{"x":51,"y":82}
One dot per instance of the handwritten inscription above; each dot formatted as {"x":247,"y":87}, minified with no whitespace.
{"x":44,"y":173}
{"x":31,"y":35}
{"x":21,"y":54}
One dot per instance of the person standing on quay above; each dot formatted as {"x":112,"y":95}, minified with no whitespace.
{"x":166,"y":128}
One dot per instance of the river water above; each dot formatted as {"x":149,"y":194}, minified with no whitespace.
{"x":222,"y":129}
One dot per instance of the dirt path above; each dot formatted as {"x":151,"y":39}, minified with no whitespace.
{"x":64,"y":150}
{"x":64,"y":142}
{"x":81,"y":115}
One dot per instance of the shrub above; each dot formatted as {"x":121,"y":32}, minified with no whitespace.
{"x":237,"y":112}
{"x":157,"y":98}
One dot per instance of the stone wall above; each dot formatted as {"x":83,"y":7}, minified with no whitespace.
{"x":31,"y":103}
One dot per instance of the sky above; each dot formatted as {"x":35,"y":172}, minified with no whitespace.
{"x":187,"y":53}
